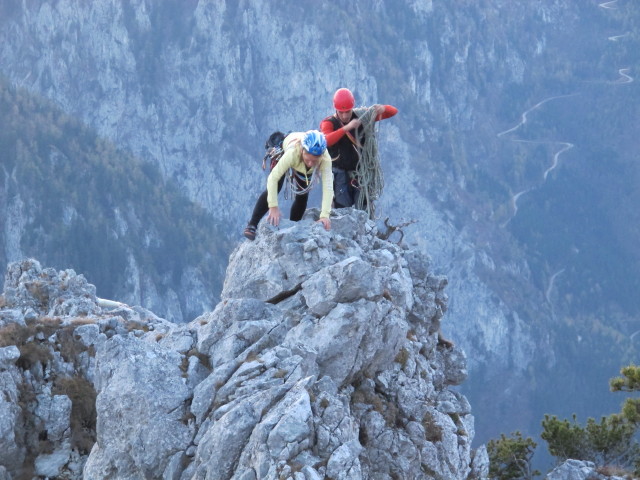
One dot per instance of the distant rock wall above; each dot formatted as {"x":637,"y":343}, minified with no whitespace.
{"x":321,"y":361}
{"x":196,"y":87}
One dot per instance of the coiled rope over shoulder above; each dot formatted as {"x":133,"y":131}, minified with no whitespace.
{"x":369,"y":172}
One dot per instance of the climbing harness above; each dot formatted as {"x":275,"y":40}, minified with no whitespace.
{"x":299,"y":185}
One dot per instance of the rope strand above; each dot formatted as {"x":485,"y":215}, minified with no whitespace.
{"x":369,"y":173}
{"x":293,"y":187}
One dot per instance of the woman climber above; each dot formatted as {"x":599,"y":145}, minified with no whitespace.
{"x":305,"y":155}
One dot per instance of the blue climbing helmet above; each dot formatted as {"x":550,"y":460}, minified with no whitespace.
{"x":314,"y":142}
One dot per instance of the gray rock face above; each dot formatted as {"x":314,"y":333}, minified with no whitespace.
{"x":196,"y":88}
{"x":12,"y":452}
{"x":321,"y":361}
{"x":47,"y":292}
{"x":143,"y":395}
{"x":578,"y":470}
{"x":50,"y":329}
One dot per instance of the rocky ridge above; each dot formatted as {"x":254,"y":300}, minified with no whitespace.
{"x":196,"y":87}
{"x":321,"y":361}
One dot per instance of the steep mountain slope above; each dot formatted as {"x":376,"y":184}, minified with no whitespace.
{"x":73,"y":199}
{"x":195,"y":87}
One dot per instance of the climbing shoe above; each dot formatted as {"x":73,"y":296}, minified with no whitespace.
{"x":250,"y":232}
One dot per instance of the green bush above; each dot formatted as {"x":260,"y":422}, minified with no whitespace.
{"x":610,"y":442}
{"x":510,"y":457}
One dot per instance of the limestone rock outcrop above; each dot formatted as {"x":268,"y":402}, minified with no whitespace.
{"x":322,"y":360}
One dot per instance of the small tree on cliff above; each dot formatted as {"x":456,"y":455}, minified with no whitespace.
{"x":510,"y":457}
{"x":608,"y":443}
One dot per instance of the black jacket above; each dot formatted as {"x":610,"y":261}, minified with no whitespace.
{"x":344,"y":149}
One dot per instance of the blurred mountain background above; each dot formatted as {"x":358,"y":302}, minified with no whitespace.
{"x":131,"y":134}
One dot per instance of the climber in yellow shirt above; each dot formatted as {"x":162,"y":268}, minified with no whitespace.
{"x":305,"y":156}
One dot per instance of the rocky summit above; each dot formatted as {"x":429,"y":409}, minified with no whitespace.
{"x":322,"y":360}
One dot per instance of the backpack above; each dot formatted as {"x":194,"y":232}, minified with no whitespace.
{"x":274,"y":149}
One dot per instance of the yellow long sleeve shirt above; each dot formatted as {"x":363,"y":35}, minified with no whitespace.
{"x":292,"y":158}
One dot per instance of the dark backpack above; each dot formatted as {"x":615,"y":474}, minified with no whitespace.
{"x":273,"y":146}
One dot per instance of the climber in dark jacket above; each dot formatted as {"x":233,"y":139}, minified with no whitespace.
{"x":345,"y":138}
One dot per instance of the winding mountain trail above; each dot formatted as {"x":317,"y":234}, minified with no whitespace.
{"x":564,"y":147}
{"x":609,"y":5}
{"x":624,"y":79}
{"x":547,"y":293}
{"x":523,"y":117}
{"x":615,"y":38}
{"x":514,"y":205}
{"x":624,"y":76}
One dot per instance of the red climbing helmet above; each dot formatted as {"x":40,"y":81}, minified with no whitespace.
{"x":343,"y":100}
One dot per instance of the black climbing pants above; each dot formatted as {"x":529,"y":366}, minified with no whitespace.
{"x":298,"y":206}
{"x":345,"y":188}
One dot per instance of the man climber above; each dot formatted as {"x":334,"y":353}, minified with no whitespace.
{"x":305,"y":154}
{"x":346,"y":139}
